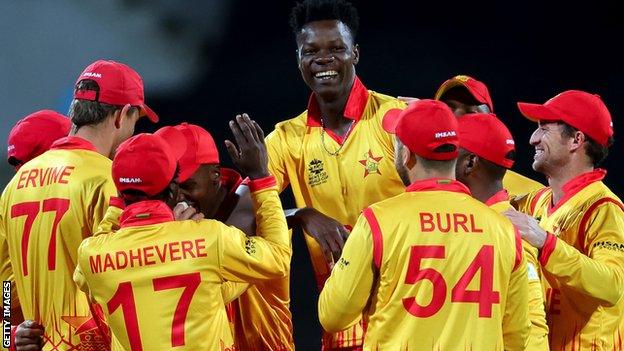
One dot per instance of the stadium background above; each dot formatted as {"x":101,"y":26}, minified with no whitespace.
{"x":205,"y":61}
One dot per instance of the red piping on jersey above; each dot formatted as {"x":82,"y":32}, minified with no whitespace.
{"x":576,"y":184}
{"x":587,"y":215}
{"x":377,"y":236}
{"x":438,"y":184}
{"x":518,"y":248}
{"x":145,"y":213}
{"x":498,"y":197}
{"x":548,"y":248}
{"x":116,"y":202}
{"x":536,"y":198}
{"x":262,"y":183}
{"x":73,"y":143}
{"x":354,"y":109}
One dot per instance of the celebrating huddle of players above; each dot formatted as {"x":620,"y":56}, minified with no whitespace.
{"x":420,"y":235}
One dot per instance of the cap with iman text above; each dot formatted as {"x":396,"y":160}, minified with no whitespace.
{"x":424,"y":127}
{"x":118,"y":85}
{"x":132,"y":172}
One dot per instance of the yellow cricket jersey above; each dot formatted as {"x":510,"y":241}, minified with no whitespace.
{"x":432,"y":269}
{"x":260,"y":317}
{"x":538,"y":339}
{"x":51,"y":204}
{"x":582,"y":261}
{"x":340,"y":186}
{"x":516,"y":184}
{"x":159,"y":280}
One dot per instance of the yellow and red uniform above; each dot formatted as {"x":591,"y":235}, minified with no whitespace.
{"x":538,"y":339}
{"x":516,"y":184}
{"x":582,"y":262}
{"x":341,"y":185}
{"x":261,"y":315}
{"x":449,"y":270}
{"x":54,"y":202}
{"x":157,"y":274}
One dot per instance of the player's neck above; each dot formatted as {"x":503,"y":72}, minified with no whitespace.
{"x":332,"y":112}
{"x":563,"y":175}
{"x":100,"y":139}
{"x":484,"y":191}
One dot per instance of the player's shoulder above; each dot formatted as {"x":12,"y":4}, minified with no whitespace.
{"x":379,"y":104}
{"x":600,"y":197}
{"x":293,"y":126}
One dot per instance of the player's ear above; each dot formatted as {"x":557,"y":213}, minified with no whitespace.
{"x":121,"y":115}
{"x":471,"y":163}
{"x":577,"y":141}
{"x":356,"y":54}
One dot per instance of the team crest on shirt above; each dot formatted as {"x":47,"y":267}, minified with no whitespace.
{"x":316,"y":173}
{"x":370,"y":163}
{"x":87,"y":329}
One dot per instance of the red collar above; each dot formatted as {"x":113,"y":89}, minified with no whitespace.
{"x":438,"y":184}
{"x":73,"y":143}
{"x":145,"y":213}
{"x":576,"y":184}
{"x":356,"y":103}
{"x":498,"y":197}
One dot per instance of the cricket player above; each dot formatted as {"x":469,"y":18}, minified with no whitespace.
{"x":464,"y":94}
{"x":58,"y":199}
{"x":481,"y":165}
{"x":577,"y":223}
{"x":335,"y":155}
{"x":159,"y":280}
{"x":432,"y":268}
{"x":29,"y":138}
{"x":260,"y":317}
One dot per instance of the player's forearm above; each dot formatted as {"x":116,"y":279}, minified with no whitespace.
{"x":336,"y":311}
{"x":595,"y":277}
{"x":270,"y":220}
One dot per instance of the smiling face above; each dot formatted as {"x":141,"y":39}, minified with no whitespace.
{"x":551,"y":147}
{"x":200,"y":190}
{"x":327,"y":56}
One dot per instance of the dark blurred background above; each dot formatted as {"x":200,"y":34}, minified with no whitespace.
{"x":205,"y":61}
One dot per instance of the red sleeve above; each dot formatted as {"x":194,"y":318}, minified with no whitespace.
{"x":377,"y":237}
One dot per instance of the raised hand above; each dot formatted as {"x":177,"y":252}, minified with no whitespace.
{"x":251,"y":156}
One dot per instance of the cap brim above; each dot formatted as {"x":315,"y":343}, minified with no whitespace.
{"x":391,"y":120}
{"x":151,"y":115}
{"x":537,"y":112}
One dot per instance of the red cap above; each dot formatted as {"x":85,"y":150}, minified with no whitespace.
{"x":199,"y":149}
{"x":176,"y":140}
{"x":477,"y":89}
{"x":583,"y":111}
{"x":486,"y":136}
{"x":34,"y":134}
{"x":119,"y":85}
{"x":144,"y":162}
{"x":424,"y":126}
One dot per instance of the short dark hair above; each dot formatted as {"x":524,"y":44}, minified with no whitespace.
{"x":86,"y":112}
{"x":308,"y":11}
{"x":597,"y":153}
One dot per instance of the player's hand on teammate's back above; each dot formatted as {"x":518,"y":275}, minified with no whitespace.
{"x":28,"y":336}
{"x":182,"y":211}
{"x":329,"y":233}
{"x":528,"y":227}
{"x":251,"y":156}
